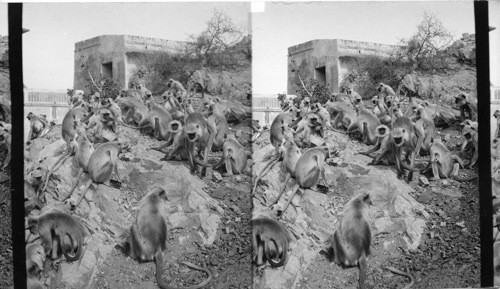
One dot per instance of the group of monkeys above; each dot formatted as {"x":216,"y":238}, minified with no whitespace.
{"x":298,"y":136}
{"x":84,"y":131}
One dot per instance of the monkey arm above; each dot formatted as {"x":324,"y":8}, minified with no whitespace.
{"x":374,"y":149}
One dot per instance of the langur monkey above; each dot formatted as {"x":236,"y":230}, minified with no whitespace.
{"x":386,"y":91}
{"x":71,"y":123}
{"x":405,"y":134}
{"x":234,"y":156}
{"x":102,"y":164}
{"x":6,"y":138}
{"x":179,"y":90}
{"x":443,"y":163}
{"x":382,"y":133}
{"x":496,"y":114}
{"x":52,"y":228}
{"x":310,"y":133}
{"x":426,"y":125}
{"x":309,"y":170}
{"x":352,"y":240}
{"x":148,"y":236}
{"x":441,"y":113}
{"x":39,"y":126}
{"x":201,"y":131}
{"x":466,"y":105}
{"x":82,"y":156}
{"x":35,"y":256}
{"x":134,"y":109}
{"x":323,"y":114}
{"x":283,"y":119}
{"x":470,"y":134}
{"x":141,"y":93}
{"x":177,"y":141}
{"x":267,"y":232}
{"x":379,"y":106}
{"x":159,"y":118}
{"x":366,"y":122}
{"x":170,"y":101}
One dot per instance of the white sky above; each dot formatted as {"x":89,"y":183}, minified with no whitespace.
{"x":48,"y":52}
{"x":286,"y":24}
{"x":494,"y":20}
{"x":4,"y":30}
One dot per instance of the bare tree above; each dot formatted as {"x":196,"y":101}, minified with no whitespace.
{"x":221,"y":33}
{"x":431,"y":37}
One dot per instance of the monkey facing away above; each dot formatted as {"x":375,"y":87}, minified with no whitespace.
{"x":266,"y":232}
{"x":148,"y":236}
{"x":352,"y":240}
{"x":234,"y":156}
{"x":52,"y":228}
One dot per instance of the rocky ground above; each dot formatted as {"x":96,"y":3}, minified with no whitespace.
{"x":432,"y":231}
{"x":6,"y":265}
{"x":208,"y":219}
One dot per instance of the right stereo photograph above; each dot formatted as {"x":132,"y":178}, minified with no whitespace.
{"x":365,"y":147}
{"x":494,"y":40}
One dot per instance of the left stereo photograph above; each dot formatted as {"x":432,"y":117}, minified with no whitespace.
{"x":6,"y":264}
{"x":137,"y":135}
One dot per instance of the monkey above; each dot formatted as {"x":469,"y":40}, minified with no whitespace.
{"x":6,"y":138}
{"x":345,"y":114}
{"x":496,"y":147}
{"x":382,"y":133}
{"x":441,"y":113}
{"x":82,"y":156}
{"x":106,"y":121}
{"x":171,"y":101}
{"x":201,"y":131}
{"x":5,"y":108}
{"x":141,"y":93}
{"x":282,"y":119}
{"x":358,"y":100}
{"x":39,"y":126}
{"x":366,"y":122}
{"x":159,"y":118}
{"x":35,"y":256}
{"x":178,"y":141}
{"x":134,"y":109}
{"x":52,"y":228}
{"x":405,"y":134}
{"x":385,"y":91}
{"x":379,"y":106}
{"x":177,"y":87}
{"x":343,"y":97}
{"x":148,"y":236}
{"x":424,"y":122}
{"x":323,"y":113}
{"x":443,"y":163}
{"x":311,"y":133}
{"x":76,"y":96}
{"x":496,"y":114}
{"x":471,"y":136}
{"x":102,"y":164}
{"x":396,"y":111}
{"x":309,"y":170}
{"x":352,"y":240}
{"x":71,"y":122}
{"x":291,"y":156}
{"x":264,"y":232}
{"x":466,"y":105}
{"x":234,"y":156}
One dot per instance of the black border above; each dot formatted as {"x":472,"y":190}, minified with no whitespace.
{"x":17,"y":163}
{"x":484,"y":160}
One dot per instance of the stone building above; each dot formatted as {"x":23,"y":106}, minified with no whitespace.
{"x":117,"y":56}
{"x":328,"y":60}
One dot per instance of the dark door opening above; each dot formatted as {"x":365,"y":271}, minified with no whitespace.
{"x":107,"y":70}
{"x":320,"y":74}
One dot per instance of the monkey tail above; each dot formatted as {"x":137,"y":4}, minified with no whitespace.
{"x":399,"y":272}
{"x":283,"y":255}
{"x":52,"y":170}
{"x":159,"y":270}
{"x":63,"y":248}
{"x":459,"y":179}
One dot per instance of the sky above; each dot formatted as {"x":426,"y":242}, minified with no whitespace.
{"x":286,"y":24}
{"x":48,"y":48}
{"x":494,"y":20}
{"x":3,"y":20}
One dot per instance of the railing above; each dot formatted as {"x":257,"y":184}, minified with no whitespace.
{"x":265,"y":109}
{"x":46,"y":101}
{"x":495,"y":94}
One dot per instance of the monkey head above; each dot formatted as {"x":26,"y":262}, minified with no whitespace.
{"x":33,"y":225}
{"x":389,"y":100}
{"x":193,"y":131}
{"x":461,"y":99}
{"x":4,"y":134}
{"x":382,"y":131}
{"x":468,"y":131}
{"x":31,"y":115}
{"x":380,"y":87}
{"x":400,"y":136}
{"x":256,"y":124}
{"x":375,"y":99}
{"x":174,"y":126}
{"x":312,"y":120}
{"x":358,"y":98}
{"x":106,"y":114}
{"x":496,"y":114}
{"x":360,"y":202}
{"x":157,"y":196}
